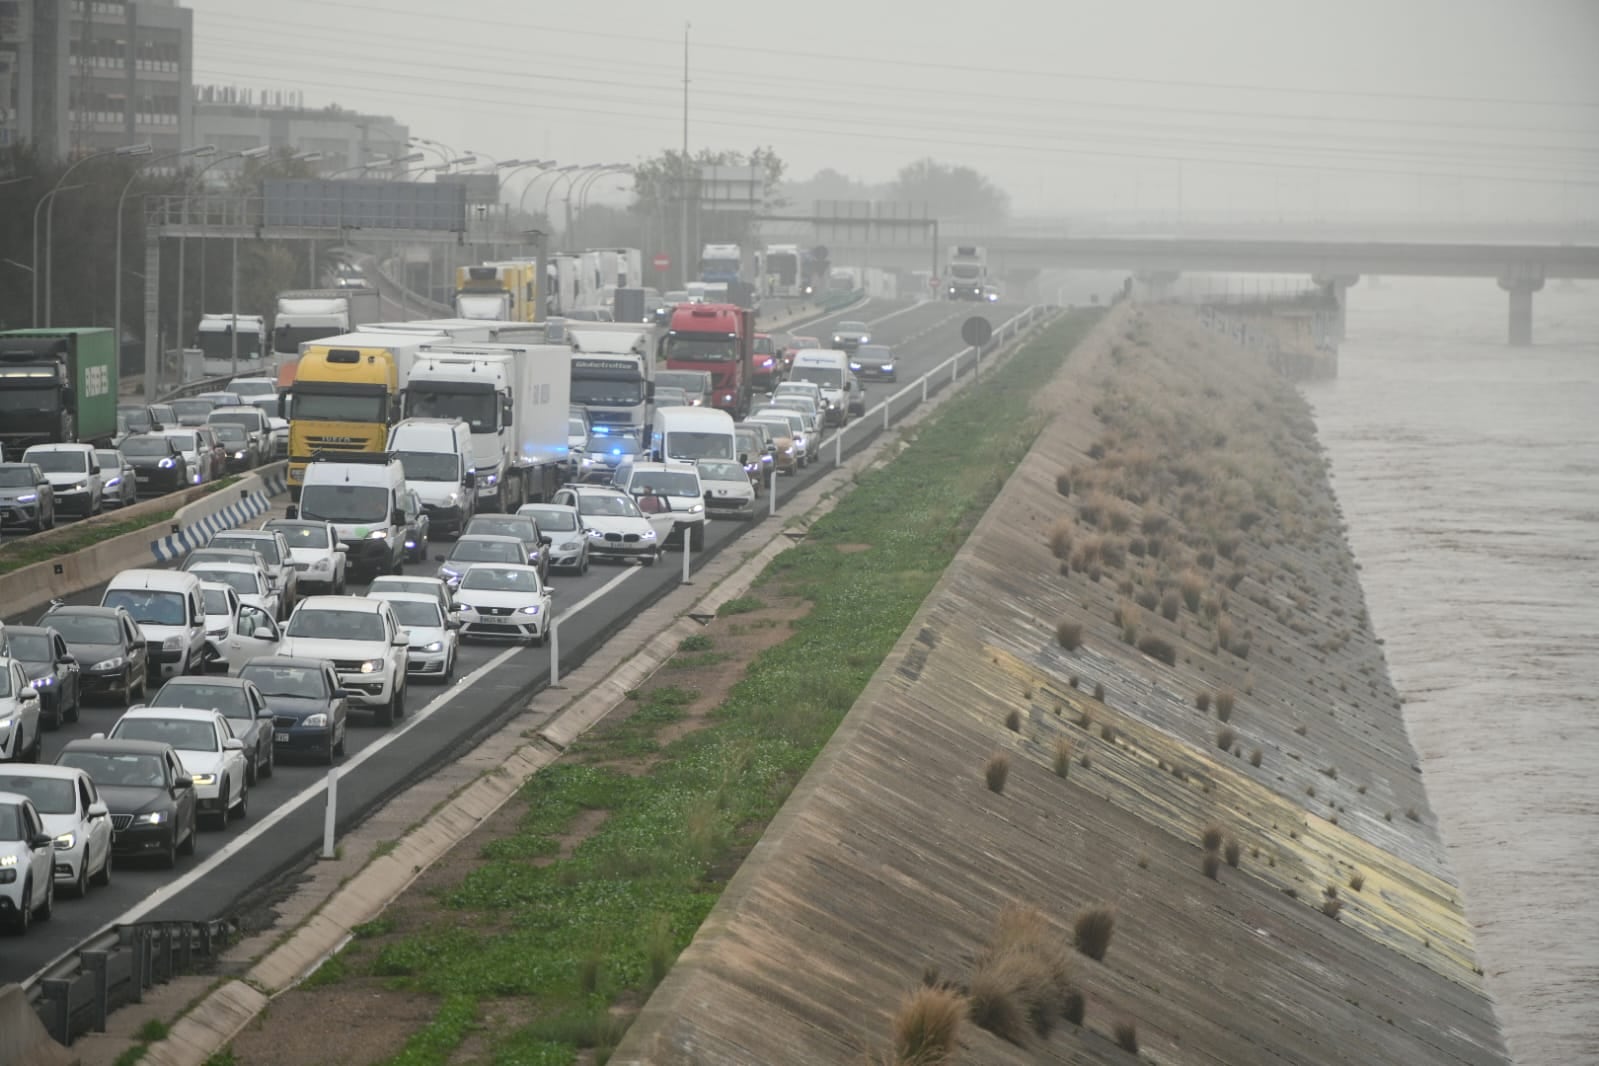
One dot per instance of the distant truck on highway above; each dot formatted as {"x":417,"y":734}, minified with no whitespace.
{"x":497,"y":292}
{"x":613,"y":372}
{"x":966,"y":273}
{"x":57,"y":386}
{"x":345,"y":396}
{"x":722,"y":262}
{"x":312,"y":314}
{"x":720,"y":339}
{"x":783,"y":270}
{"x":215,"y":338}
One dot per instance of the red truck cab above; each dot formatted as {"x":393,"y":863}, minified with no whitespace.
{"x":718,"y":338}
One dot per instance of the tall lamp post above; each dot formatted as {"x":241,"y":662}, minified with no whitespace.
{"x":246,"y":153}
{"x":587,"y":183}
{"x":116,"y":287}
{"x":47,"y":201}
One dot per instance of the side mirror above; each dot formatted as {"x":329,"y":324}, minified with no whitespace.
{"x":452,"y":623}
{"x":28,"y":695}
{"x":98,"y":809}
{"x":397,"y":517}
{"x":291,"y":511}
{"x":183,"y":781}
{"x":67,"y":660}
{"x":41,"y":840}
{"x":744,"y":458}
{"x":402,"y":639}
{"x":546,"y":541}
{"x":341,"y":547}
{"x":469,"y":480}
{"x":438,"y":558}
{"x":233,"y":744}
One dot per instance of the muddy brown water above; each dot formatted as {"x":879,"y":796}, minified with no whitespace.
{"x":1469,"y":475}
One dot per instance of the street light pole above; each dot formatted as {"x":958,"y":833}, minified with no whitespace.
{"x":122,"y":198}
{"x":247,"y":153}
{"x":48,"y":203}
{"x":521,"y":206}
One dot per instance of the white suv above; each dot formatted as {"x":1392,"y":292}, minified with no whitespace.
{"x":668,"y":488}
{"x":27,"y":863}
{"x":73,"y":471}
{"x":365,"y":642}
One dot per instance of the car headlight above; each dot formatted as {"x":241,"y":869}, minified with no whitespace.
{"x":534,"y":609}
{"x":433,"y":645}
{"x":571,"y":545}
{"x":648,"y":534}
{"x":160,"y":817}
{"x":108,"y":664}
{"x":854,"y":366}
{"x":77,"y":486}
{"x":217,"y":632}
{"x":113,"y":483}
{"x":315,"y":721}
{"x":696,"y":509}
{"x":491,"y":479}
{"x":594,"y":534}
{"x":378,"y":534}
{"x":66,"y":841}
{"x":238,"y":455}
{"x":371,"y":666}
{"x":41,"y":682}
{"x":322,"y":565}
{"x":166,"y":464}
{"x":204,"y":779}
{"x":172,"y":644}
{"x":837,"y":339}
{"x":452,"y":500}
{"x":887,"y":366}
{"x":27,"y":497}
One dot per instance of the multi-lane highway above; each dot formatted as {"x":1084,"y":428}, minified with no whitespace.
{"x":238,"y":866}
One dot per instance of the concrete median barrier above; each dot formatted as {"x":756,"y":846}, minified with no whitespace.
{"x":23,"y":1039}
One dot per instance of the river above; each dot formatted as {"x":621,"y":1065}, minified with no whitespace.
{"x":1468,"y":473}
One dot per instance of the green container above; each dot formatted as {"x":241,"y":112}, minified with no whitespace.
{"x":93,"y":373}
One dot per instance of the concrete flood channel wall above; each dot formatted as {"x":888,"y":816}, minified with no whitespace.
{"x":1338,"y":936}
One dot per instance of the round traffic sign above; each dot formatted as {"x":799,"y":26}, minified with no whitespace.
{"x":933,"y":283}
{"x":662,"y":261}
{"x":976,"y":331}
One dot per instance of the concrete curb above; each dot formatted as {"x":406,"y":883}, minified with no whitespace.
{"x":602,"y":683}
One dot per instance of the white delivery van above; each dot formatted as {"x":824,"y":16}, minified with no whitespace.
{"x":828,"y":369}
{"x":692,"y":433}
{"x":169,"y":607}
{"x":437,"y":456}
{"x":362,"y":495}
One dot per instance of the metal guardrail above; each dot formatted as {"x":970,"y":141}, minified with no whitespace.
{"x":78,"y":993}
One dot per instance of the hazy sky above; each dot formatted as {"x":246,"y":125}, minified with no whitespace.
{"x":1235,"y":105}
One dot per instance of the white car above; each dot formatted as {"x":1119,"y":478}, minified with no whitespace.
{"x":798,"y":432}
{"x":221,"y":610}
{"x":27,"y":862}
{"x":74,"y":815}
{"x":802,"y":388}
{"x":315,"y":551}
{"x":74,"y":475}
{"x":237,"y":632}
{"x":19,"y":714}
{"x":427,"y":586}
{"x":670,"y":496}
{"x":274,"y":548}
{"x":501,"y":600}
{"x":367,"y":645}
{"x":431,"y":655}
{"x":197,"y":458}
{"x":612,"y":522}
{"x":568,"y":548}
{"x":728,"y":492}
{"x":252,"y":390}
{"x":210,"y":752}
{"x":252,"y":585}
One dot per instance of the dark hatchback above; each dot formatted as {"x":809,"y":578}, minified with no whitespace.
{"x":108,"y":644}
{"x":154,"y":813}
{"x":158,"y":464}
{"x":309,"y":710}
{"x":52,"y":669}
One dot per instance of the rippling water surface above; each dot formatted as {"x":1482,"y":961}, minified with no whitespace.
{"x":1469,"y":475}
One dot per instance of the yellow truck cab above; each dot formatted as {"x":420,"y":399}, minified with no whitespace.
{"x":503,"y":292}
{"x":346,"y":395}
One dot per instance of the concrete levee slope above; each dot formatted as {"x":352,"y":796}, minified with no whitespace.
{"x":1168,"y":547}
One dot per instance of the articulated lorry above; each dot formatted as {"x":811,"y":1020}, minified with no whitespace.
{"x":515,"y":399}
{"x":613,"y":371}
{"x":966,"y":272}
{"x":722,"y":262}
{"x":312,"y":314}
{"x":614,"y":268}
{"x":215,"y":337}
{"x":497,"y":292}
{"x":346,"y":395}
{"x":783,"y":276}
{"x":57,"y":386}
{"x":719,"y":338}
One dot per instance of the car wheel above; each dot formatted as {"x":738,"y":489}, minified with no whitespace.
{"x":449,"y":669}
{"x":103,"y":878}
{"x":127,"y":687}
{"x":331,"y":751}
{"x":72,"y":713}
{"x":399,"y":703}
{"x":338,"y":748}
{"x":37,"y":748}
{"x":650,"y":561}
{"x":189,"y":842}
{"x":51,"y":522}
{"x":271,"y":764}
{"x":169,"y":858}
{"x":251,"y":769}
{"x":243,"y":806}
{"x":24,"y":918}
{"x":80,"y":887}
{"x":226,"y":808}
{"x":583,"y":567}
{"x":697,"y":538}
{"x":386,"y":715}
{"x":47,"y":911}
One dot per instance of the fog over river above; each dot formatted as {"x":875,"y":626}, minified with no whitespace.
{"x":1468,"y":472}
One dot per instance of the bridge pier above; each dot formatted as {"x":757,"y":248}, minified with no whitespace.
{"x":1336,"y":288}
{"x":1520,"y":285}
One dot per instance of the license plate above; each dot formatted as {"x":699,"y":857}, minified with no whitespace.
{"x":499,"y":621}
{"x":281,"y":738}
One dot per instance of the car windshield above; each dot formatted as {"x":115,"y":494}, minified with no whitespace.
{"x":852,"y":327}
{"x":266,"y":547}
{"x":185,"y":734}
{"x":216,"y":601}
{"x":617,"y":506}
{"x":59,"y":462}
{"x":719,"y":470}
{"x":146,"y":446}
{"x":502,"y":526}
{"x":117,"y":769}
{"x":185,"y":442}
{"x":85,"y":628}
{"x":830,"y":376}
{"x":689,"y":445}
{"x":499,"y":579}
{"x":328,"y":624}
{"x":109,"y":459}
{"x":424,"y":586}
{"x":346,"y":503}
{"x":16,"y":477}
{"x":795,"y":422}
{"x":148,"y":606}
{"x":10,"y":822}
{"x":247,"y":387}
{"x":50,"y":795}
{"x":29,"y":647}
{"x":614,"y":443}
{"x":553,"y":519}
{"x":134,"y":418}
{"x":228,"y":433}
{"x":692,"y":382}
{"x":479,"y":409}
{"x":486,"y":551}
{"x":416,"y":613}
{"x":670,"y":397}
{"x":431,"y":466}
{"x":192,"y":408}
{"x":287,"y":682}
{"x":880,"y":352}
{"x":304,"y":536}
{"x":665,"y":483}
{"x":244,"y":417}
{"x":244,"y":583}
{"x":576,"y":427}
{"x":229,"y":699}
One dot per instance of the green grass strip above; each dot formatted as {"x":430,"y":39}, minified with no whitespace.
{"x":604,"y":925}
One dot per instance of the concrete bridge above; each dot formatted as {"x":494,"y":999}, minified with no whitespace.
{"x":1519,"y":268}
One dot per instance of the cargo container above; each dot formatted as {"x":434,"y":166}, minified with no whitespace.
{"x":58,"y":386}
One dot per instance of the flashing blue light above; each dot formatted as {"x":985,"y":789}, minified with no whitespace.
{"x":601,"y":430}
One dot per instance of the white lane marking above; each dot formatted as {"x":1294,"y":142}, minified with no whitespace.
{"x":305,"y":795}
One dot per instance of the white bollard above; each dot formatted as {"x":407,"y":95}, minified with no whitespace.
{"x":838,"y":447}
{"x":955,"y":369}
{"x":555,"y":653}
{"x":330,"y":815}
{"x":924,"y":388}
{"x":771,"y":492}
{"x":686,"y":552}
{"x":887,"y":404}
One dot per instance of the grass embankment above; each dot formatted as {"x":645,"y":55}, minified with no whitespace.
{"x":579,"y":936}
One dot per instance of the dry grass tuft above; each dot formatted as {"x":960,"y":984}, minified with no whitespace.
{"x":1063,"y":757}
{"x":1192,"y":585}
{"x":1099,"y":691}
{"x":1074,"y":1007}
{"x":1210,"y":864}
{"x":1093,"y":929}
{"x":1013,"y":720}
{"x":1107,"y":733}
{"x":1063,"y":483}
{"x":1060,"y":538}
{"x":1022,"y":981}
{"x":1232,"y":853}
{"x":996,"y":770}
{"x":1225,"y":736}
{"x":1170,"y":605}
{"x":1211,"y":837}
{"x":1127,"y":1035}
{"x":1202,"y":701}
{"x":1331,"y":906}
{"x":1255,"y":757}
{"x":927,"y":1026}
{"x":1226,"y":699}
{"x":1412,"y":815}
{"x":1357,"y":881}
{"x":1158,"y":648}
{"x":1069,"y":634}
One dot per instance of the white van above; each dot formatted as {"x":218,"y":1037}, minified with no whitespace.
{"x":169,"y":607}
{"x":363,"y":495}
{"x":692,"y":433}
{"x":437,"y":456}
{"x":829,"y":370}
